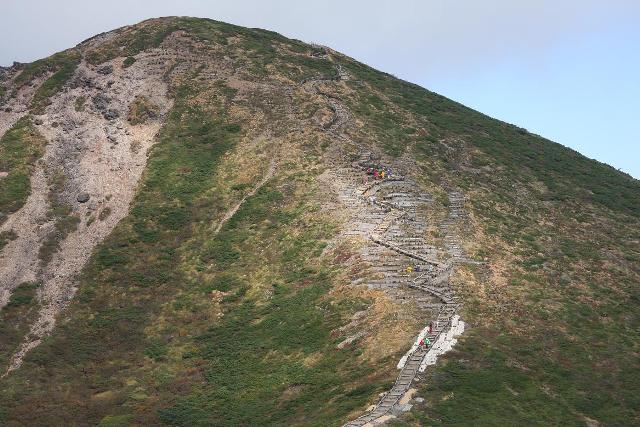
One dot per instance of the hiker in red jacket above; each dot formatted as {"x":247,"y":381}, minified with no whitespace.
{"x":430,"y":327}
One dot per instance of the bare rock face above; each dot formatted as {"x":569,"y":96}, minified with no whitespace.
{"x":88,"y":164}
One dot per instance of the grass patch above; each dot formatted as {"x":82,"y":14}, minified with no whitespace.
{"x":20,"y":147}
{"x":15,"y":318}
{"x":141,"y":110}
{"x":63,"y":71}
{"x":79,"y":103}
{"x":6,"y":237}
{"x":65,"y":221}
{"x":42,"y":66}
{"x":128,"y":61}
{"x":274,"y":336}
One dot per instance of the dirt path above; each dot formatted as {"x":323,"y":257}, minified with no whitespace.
{"x":231,"y":212}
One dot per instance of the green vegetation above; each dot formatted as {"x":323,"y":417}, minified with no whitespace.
{"x":64,"y":69}
{"x":128,"y":61}
{"x":42,"y":66}
{"x":20,"y":147}
{"x":553,"y":217}
{"x":79,"y":103}
{"x":15,"y":318}
{"x":23,"y":295}
{"x":6,"y":237}
{"x":65,"y":221}
{"x":141,"y":110}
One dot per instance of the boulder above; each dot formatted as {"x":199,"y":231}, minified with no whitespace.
{"x":83,"y":197}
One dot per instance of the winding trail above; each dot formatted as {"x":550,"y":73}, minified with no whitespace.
{"x":396,"y":229}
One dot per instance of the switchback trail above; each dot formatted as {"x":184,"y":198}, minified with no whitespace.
{"x":385,"y":213}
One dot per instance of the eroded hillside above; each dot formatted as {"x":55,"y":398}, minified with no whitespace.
{"x":192,"y":234}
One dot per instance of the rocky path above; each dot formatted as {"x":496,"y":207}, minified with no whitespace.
{"x":399,"y":233}
{"x":385,"y":212}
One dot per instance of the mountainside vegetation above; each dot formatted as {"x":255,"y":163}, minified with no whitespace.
{"x":189,"y":314}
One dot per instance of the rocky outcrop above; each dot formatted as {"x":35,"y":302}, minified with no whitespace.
{"x":99,"y":158}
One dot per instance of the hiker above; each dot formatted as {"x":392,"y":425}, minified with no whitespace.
{"x":409,"y":269}
{"x":427,"y":343}
{"x":376,"y":175}
{"x":418,"y":269}
{"x":421,"y":343}
{"x":382,"y":174}
{"x":430,"y":327}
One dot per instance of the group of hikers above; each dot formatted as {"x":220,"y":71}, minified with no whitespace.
{"x":413,"y":268}
{"x":378,"y":172}
{"x":425,"y":342}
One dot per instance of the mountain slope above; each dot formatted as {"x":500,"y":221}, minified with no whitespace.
{"x":232,"y":266}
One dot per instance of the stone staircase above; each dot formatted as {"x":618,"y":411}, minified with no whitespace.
{"x":386,"y":213}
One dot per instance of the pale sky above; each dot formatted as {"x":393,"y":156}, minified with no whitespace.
{"x":568,"y":70}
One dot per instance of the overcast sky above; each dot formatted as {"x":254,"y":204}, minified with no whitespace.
{"x":568,"y":70}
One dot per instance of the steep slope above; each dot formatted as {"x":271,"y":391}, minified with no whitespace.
{"x":189,"y":236}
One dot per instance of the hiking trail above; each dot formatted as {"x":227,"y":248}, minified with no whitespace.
{"x":231,"y":212}
{"x":385,"y":213}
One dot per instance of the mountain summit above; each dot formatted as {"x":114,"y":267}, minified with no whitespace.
{"x":204,"y":224}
